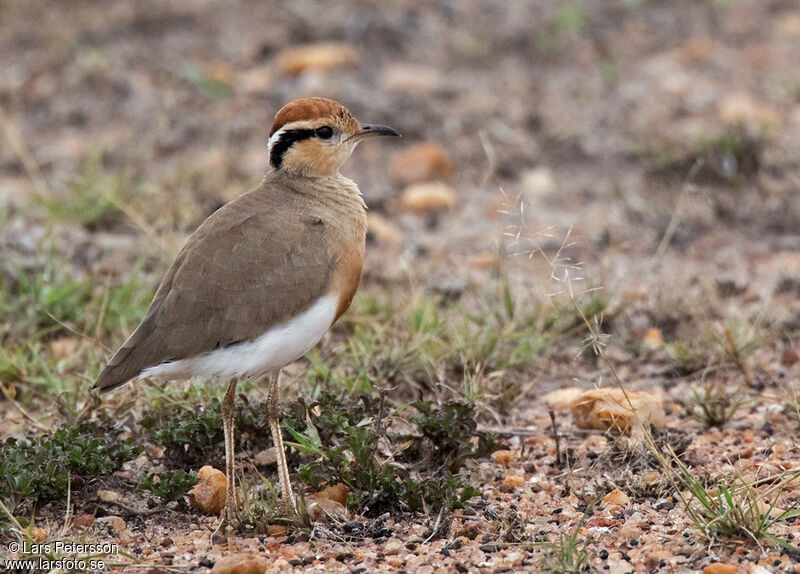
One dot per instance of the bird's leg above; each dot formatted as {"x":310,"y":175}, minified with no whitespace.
{"x":230,"y":512}
{"x":274,"y":416}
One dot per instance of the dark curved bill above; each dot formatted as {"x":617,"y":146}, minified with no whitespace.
{"x":368,"y":130}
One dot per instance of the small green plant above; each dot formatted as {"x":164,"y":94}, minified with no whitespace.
{"x":192,"y":437}
{"x":170,"y":485}
{"x":409,"y":473}
{"x":19,"y":362}
{"x":714,"y":407}
{"x":262,"y":508}
{"x":42,"y":468}
{"x":448,"y":431}
{"x":736,"y":152}
{"x":49,"y":301}
{"x":207,"y":83}
{"x":187,"y":435}
{"x":35,"y":302}
{"x":656,"y":154}
{"x":792,"y":407}
{"x":569,"y":19}
{"x":121,"y":305}
{"x":706,"y":344}
{"x":736,"y":508}
{"x":610,"y":71}
{"x":570,"y":554}
{"x":94,"y":198}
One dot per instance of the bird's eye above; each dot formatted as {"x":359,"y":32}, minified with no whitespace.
{"x":325,"y":132}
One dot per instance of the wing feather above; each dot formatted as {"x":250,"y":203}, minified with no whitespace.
{"x":253,"y":264}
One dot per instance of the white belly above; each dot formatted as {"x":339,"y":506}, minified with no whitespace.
{"x":276,"y":348}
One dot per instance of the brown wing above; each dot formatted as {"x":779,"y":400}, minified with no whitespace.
{"x":254,"y":263}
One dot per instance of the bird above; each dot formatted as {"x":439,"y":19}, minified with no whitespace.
{"x":263,"y":278}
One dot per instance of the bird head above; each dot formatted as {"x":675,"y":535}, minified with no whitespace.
{"x":315,"y":136}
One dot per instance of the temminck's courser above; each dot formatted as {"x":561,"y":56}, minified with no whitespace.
{"x":263,"y":278}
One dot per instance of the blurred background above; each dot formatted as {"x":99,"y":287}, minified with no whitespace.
{"x":655,"y":144}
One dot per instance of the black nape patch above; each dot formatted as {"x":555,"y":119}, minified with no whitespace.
{"x":287,"y":139}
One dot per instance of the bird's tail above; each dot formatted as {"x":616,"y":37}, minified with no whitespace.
{"x":115,"y":374}
{"x":127,"y":362}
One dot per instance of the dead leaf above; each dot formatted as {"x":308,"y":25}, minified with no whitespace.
{"x":241,"y":564}
{"x":276,"y":530}
{"x":209,"y":494}
{"x":383,"y":229}
{"x":486,"y":261}
{"x":266,"y":457}
{"x":424,"y":161}
{"x":39,"y":535}
{"x":720,"y":568}
{"x":514,"y":480}
{"x":789,"y":357}
{"x":83,"y":520}
{"x":337,"y":492}
{"x":64,"y":347}
{"x":254,"y":81}
{"x":412,"y":78}
{"x":653,"y":340}
{"x":741,"y":108}
{"x":608,"y":408}
{"x":116,"y":523}
{"x":617,"y":497}
{"x":421,"y":198}
{"x":108,"y":495}
{"x":504,"y":457}
{"x":320,"y":57}
{"x":560,"y":399}
{"x":321,"y":509}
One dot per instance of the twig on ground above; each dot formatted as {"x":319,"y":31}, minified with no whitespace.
{"x":442,"y":525}
{"x":74,"y":331}
{"x":551,"y":412}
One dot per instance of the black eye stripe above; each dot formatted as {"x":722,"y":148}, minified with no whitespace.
{"x":287,"y":139}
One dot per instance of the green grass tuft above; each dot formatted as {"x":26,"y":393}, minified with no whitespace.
{"x":737,"y":509}
{"x":714,"y":407}
{"x":344,"y":442}
{"x":570,"y":554}
{"x":193,"y":437}
{"x":94,"y":199}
